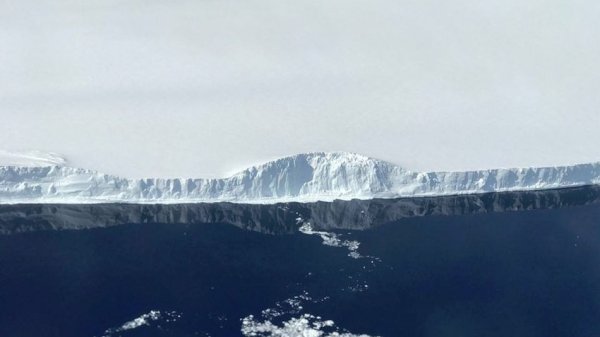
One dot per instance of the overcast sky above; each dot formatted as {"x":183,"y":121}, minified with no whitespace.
{"x":199,"y":88}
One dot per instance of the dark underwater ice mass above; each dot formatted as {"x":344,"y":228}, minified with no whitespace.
{"x":500,"y":264}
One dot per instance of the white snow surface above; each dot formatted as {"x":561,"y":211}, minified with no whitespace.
{"x":31,"y":158}
{"x":214,"y":85}
{"x":35,"y":177}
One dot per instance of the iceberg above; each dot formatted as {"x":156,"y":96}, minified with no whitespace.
{"x":35,"y":177}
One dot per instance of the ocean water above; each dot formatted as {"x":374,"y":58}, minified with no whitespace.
{"x":506,"y":264}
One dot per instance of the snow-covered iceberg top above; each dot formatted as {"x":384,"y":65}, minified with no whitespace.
{"x":35,"y":177}
{"x":31,"y":159}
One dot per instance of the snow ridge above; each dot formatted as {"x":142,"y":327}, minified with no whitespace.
{"x":303,"y":177}
{"x":30,"y":158}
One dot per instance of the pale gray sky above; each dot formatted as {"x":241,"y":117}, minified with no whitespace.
{"x":199,"y":88}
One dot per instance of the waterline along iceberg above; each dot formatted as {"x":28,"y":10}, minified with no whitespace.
{"x":306,"y":177}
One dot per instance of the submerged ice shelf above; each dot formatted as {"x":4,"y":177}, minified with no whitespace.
{"x":36,"y":177}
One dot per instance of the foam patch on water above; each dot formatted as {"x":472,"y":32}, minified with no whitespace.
{"x":332,"y":239}
{"x":291,"y":306}
{"x":148,"y":319}
{"x":305,"y":325}
{"x":357,"y":283}
{"x":288,"y":318}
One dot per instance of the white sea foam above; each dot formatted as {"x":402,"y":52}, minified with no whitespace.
{"x":288,"y":319}
{"x":332,"y":239}
{"x":305,"y":325}
{"x":291,"y":306}
{"x":144,"y":320}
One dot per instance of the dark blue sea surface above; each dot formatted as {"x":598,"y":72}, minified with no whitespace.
{"x":531,"y":271}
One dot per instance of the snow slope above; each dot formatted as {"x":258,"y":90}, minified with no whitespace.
{"x":30,"y":158}
{"x":303,"y":177}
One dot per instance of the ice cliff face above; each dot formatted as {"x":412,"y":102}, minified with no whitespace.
{"x":287,"y":218}
{"x":303,"y":177}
